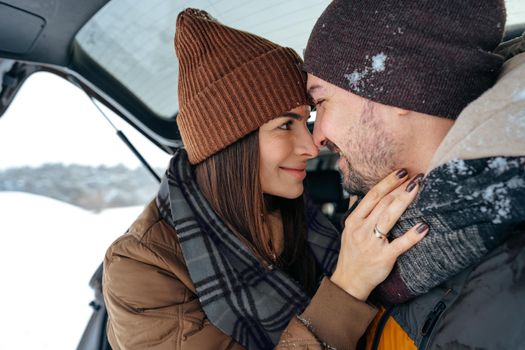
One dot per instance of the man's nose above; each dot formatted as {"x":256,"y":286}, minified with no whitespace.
{"x":318,"y":135}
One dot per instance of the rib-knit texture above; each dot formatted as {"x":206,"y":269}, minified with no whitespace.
{"x":428,"y":56}
{"x":230,"y":83}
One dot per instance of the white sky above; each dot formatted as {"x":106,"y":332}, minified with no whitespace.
{"x":53,"y":121}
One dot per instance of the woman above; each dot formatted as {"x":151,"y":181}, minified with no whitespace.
{"x":228,"y":256}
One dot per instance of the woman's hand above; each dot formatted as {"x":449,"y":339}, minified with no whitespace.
{"x":366,"y":256}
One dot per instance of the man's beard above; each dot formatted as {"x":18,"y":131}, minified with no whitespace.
{"x":369,"y":155}
{"x":354,"y":182}
{"x":368,"y":164}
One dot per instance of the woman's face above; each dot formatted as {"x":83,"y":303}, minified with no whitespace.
{"x":285,"y":144}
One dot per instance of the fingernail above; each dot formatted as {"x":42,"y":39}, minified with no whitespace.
{"x":415,"y":181}
{"x":401,"y":173}
{"x":419,"y":177}
{"x":422,"y":228}
{"x":411,"y":186}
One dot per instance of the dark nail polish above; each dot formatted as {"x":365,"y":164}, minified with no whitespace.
{"x":411,"y":186}
{"x":419,"y":178}
{"x":401,"y":173}
{"x":422,"y":228}
{"x":415,"y":181}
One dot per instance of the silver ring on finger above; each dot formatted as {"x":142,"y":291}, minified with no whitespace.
{"x":378,"y":233}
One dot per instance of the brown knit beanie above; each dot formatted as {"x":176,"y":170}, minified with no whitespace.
{"x":230,"y":83}
{"x":429,"y":56}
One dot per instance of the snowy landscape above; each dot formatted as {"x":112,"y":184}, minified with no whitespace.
{"x":90,"y":187}
{"x":50,"y":250}
{"x":68,"y":188}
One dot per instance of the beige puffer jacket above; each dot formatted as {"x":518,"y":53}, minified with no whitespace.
{"x":152,"y":302}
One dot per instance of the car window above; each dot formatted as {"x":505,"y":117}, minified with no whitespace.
{"x":68,"y":188}
{"x":134,"y":40}
{"x":515,"y":12}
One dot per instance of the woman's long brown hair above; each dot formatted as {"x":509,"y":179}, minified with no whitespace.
{"x":230,"y":182}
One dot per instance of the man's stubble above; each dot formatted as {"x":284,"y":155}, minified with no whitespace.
{"x":369,"y":152}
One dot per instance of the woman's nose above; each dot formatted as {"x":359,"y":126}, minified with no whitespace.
{"x":307,"y":146}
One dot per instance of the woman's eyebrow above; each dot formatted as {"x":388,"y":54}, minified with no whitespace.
{"x":293,"y":115}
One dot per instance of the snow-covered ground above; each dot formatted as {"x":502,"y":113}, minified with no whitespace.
{"x":49,"y":250}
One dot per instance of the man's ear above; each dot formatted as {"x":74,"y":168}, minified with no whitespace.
{"x":401,"y":111}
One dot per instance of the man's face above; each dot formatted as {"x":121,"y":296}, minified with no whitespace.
{"x":359,"y":130}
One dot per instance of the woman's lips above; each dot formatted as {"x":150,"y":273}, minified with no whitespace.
{"x":299,"y":173}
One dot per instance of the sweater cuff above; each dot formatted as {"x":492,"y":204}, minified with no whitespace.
{"x":337,"y":318}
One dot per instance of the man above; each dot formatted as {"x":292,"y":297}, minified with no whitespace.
{"x":392,"y":81}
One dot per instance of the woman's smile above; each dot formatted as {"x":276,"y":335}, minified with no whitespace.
{"x":297,"y":172}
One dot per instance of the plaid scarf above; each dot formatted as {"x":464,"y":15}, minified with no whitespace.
{"x":471,"y":206}
{"x":246,"y":298}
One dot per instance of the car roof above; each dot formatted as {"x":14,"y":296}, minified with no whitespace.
{"x":121,"y":51}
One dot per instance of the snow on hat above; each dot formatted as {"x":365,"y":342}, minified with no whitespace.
{"x":429,"y":56}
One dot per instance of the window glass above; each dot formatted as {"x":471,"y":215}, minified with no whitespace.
{"x":515,"y":12}
{"x":134,"y":40}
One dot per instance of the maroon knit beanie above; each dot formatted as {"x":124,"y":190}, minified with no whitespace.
{"x":428,"y":56}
